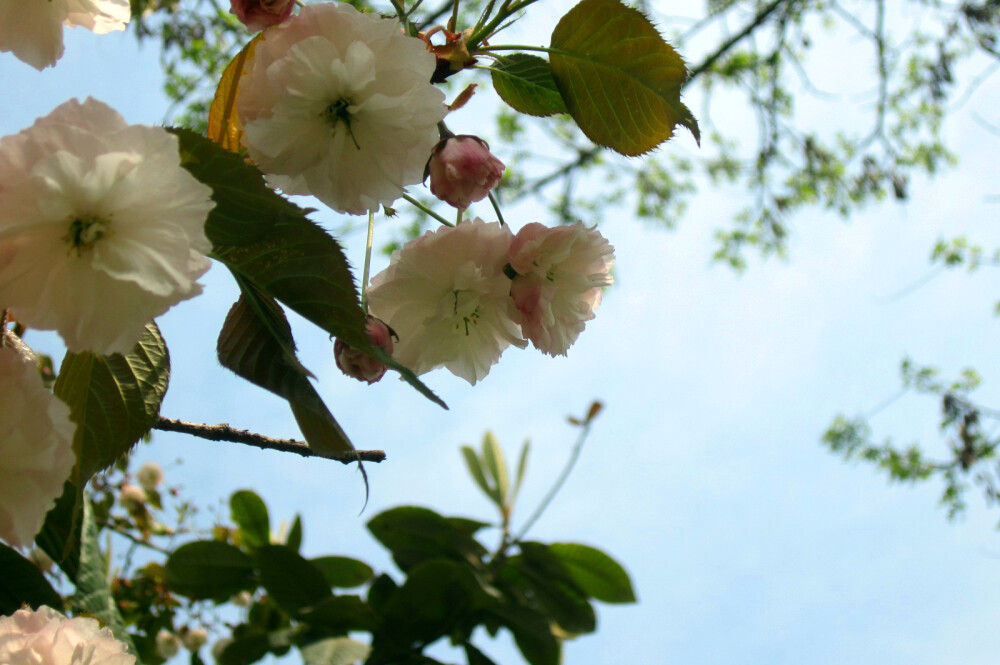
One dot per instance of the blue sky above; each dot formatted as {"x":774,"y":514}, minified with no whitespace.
{"x":746,"y":541}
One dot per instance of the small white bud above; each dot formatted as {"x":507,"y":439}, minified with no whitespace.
{"x":132,"y":497}
{"x":242,"y":599}
{"x":194,"y":638}
{"x":167,"y":644}
{"x":149,"y":475}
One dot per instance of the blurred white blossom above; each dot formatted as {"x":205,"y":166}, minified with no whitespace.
{"x":339,"y":104}
{"x":33,"y":29}
{"x":446,"y":296}
{"x":167,"y":644}
{"x":36,"y":449}
{"x":46,"y":637}
{"x":149,"y":476}
{"x":101,"y":229}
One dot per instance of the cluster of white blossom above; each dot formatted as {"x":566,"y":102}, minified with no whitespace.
{"x":101,"y":230}
{"x":457,"y":297}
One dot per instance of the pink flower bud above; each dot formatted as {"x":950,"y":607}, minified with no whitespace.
{"x":360,"y":365}
{"x":463,"y":170}
{"x":259,"y":14}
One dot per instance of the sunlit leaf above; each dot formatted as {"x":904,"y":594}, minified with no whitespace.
{"x":114,"y":400}
{"x":335,"y":651}
{"x":525,"y":82}
{"x":620,"y":79}
{"x":223,"y":122}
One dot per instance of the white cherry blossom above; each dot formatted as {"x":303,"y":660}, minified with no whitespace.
{"x":33,"y":29}
{"x":339,"y":104}
{"x":101,"y":229}
{"x":46,"y":637}
{"x":446,"y":296}
{"x":36,"y":449}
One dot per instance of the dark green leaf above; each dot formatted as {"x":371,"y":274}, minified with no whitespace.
{"x":550,"y":594}
{"x":343,"y":572}
{"x":339,"y":614}
{"x":433,"y":601}
{"x":247,"y":648}
{"x":525,"y":82}
{"x":381,"y":592}
{"x":292,"y":581}
{"x":415,"y":534}
{"x":60,"y":535}
{"x":269,"y":241}
{"x":620,"y":80}
{"x":294,"y":539}
{"x":249,"y":512}
{"x":335,"y":651}
{"x":209,"y":569}
{"x":596,"y":573}
{"x":114,"y":400}
{"x":93,"y":593}
{"x":22,"y":583}
{"x":531,"y":633}
{"x":256,"y":343}
{"x":476,"y":657}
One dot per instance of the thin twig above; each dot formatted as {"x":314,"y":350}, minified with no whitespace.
{"x":224,"y":432}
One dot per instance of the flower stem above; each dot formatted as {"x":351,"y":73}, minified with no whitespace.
{"x":420,"y":206}
{"x":496,"y":208}
{"x":368,"y":261}
{"x":454,"y":16}
{"x":570,"y":463}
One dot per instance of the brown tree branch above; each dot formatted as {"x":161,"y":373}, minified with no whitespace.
{"x":224,"y":432}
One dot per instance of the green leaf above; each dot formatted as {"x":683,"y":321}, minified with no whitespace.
{"x":495,"y":463}
{"x":476,"y":471}
{"x":340,"y":614}
{"x":249,"y":512}
{"x":294,"y":539}
{"x":270,"y":242}
{"x":246,"y":648}
{"x":538,"y":579}
{"x":525,"y":82}
{"x":114,"y":400}
{"x":436,"y":596}
{"x":292,"y":581}
{"x":522,"y":467}
{"x":620,"y":80}
{"x":596,"y":573}
{"x":209,"y":569}
{"x":532,"y":634}
{"x":343,"y":572}
{"x":60,"y":535}
{"x":256,"y":343}
{"x":415,"y":534}
{"x":335,"y":651}
{"x":93,"y":592}
{"x":476,"y":657}
{"x":23,"y":584}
